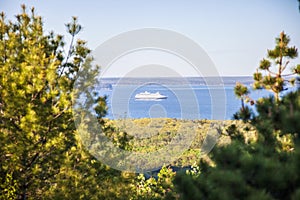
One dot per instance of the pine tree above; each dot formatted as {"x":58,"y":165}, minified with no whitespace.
{"x":242,"y":92}
{"x":273,"y":67}
{"x":36,"y":123}
{"x":264,"y":169}
{"x":270,"y":75}
{"x":269,"y":167}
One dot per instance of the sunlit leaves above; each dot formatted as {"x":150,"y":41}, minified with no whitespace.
{"x":160,"y":187}
{"x":35,"y":101}
{"x":8,"y":187}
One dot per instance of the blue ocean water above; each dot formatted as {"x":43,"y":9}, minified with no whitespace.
{"x":183,"y":102}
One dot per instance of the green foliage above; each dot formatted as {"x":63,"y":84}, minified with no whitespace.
{"x":155,"y":186}
{"x":242,"y":92}
{"x":266,"y":168}
{"x":273,"y":67}
{"x":83,"y":177}
{"x":278,"y":121}
{"x":160,"y":188}
{"x":265,"y":64}
{"x":40,"y":152}
{"x":297,"y":69}
{"x":243,"y":114}
{"x":8,"y":187}
{"x":163,"y":130}
{"x":43,"y":157}
{"x":194,"y":171}
{"x":270,"y":75}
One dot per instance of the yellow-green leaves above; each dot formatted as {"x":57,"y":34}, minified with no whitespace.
{"x":36,"y":81}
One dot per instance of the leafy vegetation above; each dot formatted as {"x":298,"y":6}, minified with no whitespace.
{"x":43,"y":157}
{"x":40,"y":153}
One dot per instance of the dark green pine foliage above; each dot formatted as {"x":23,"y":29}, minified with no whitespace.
{"x":242,"y":93}
{"x":266,"y":169}
{"x":271,"y":75}
{"x":269,"y":167}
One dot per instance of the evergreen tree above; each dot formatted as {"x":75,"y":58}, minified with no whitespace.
{"x":242,"y":92}
{"x":36,"y":123}
{"x":273,"y":77}
{"x":269,"y":167}
{"x":265,"y":169}
{"x":270,"y":75}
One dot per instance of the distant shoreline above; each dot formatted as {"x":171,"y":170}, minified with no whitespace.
{"x":210,"y":80}
{"x":175,"y":77}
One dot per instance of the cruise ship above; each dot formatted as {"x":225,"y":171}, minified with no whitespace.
{"x":148,"y":95}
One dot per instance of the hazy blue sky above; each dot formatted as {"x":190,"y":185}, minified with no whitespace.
{"x":234,"y":33}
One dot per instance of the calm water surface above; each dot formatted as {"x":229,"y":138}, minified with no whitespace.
{"x":183,"y":102}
